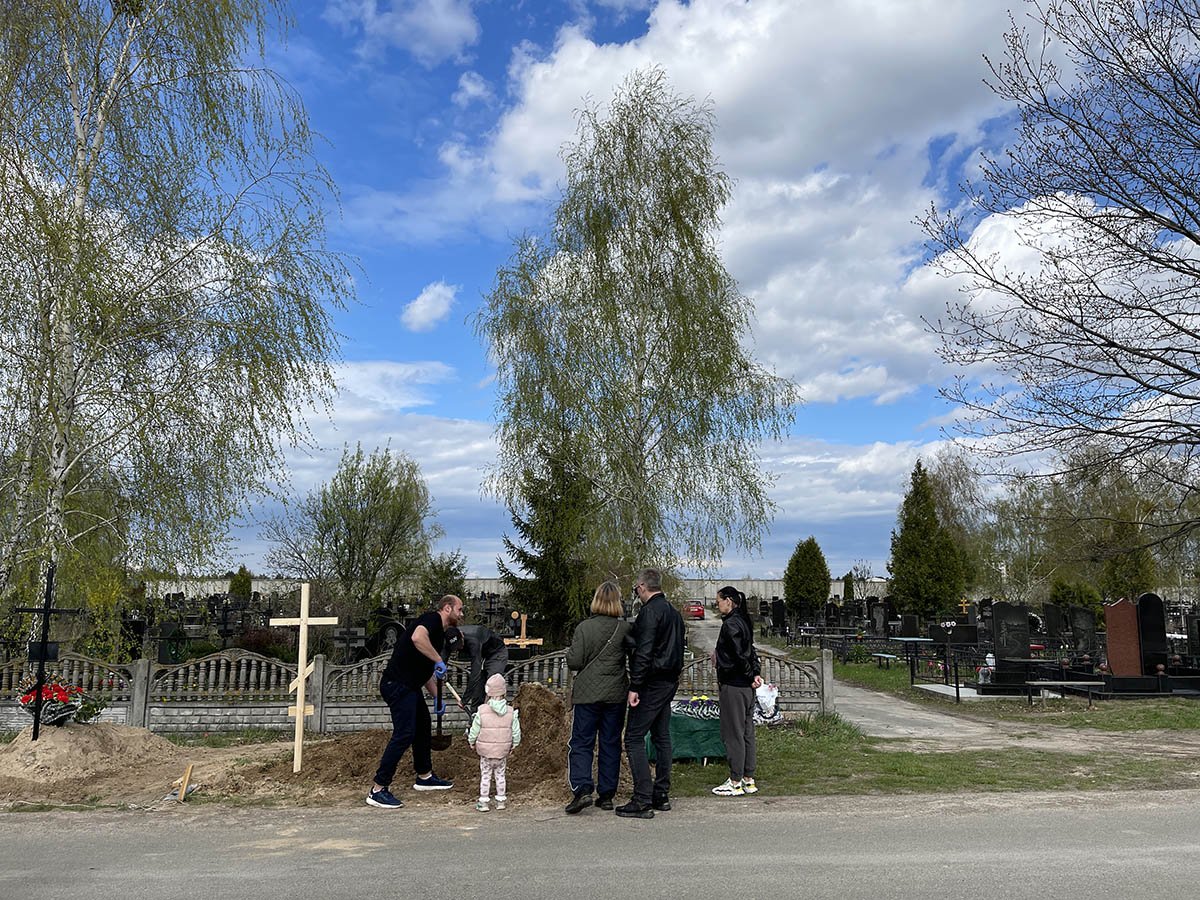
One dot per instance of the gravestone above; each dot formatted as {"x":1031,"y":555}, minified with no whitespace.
{"x":1124,"y":642}
{"x":964,"y":634}
{"x":1152,"y":629}
{"x":1082,"y":622}
{"x":879,"y":619}
{"x":1010,"y":630}
{"x":1193,"y":636}
{"x":778,"y":615}
{"x":908,"y":626}
{"x":938,"y":634}
{"x":1056,"y":624}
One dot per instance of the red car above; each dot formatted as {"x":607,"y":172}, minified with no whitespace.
{"x":693,"y":609}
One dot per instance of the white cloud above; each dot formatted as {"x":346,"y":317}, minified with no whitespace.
{"x":824,"y":119}
{"x":430,"y":307}
{"x":471,"y":87}
{"x":433,"y":31}
{"x":844,"y":495}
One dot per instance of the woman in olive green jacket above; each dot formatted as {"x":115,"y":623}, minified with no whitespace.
{"x":598,"y":694}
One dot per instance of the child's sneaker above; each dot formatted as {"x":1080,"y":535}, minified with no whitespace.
{"x":482,"y":805}
{"x":748,"y":786}
{"x":729,"y":788}
{"x":500,"y":803}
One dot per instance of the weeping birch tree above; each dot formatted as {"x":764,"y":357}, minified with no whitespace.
{"x":165,"y":287}
{"x":621,"y":328}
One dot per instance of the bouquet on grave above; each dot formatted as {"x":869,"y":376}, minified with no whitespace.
{"x":60,"y":701}
{"x":702,"y":707}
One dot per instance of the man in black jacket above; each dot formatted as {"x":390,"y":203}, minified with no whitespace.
{"x":655,"y":662}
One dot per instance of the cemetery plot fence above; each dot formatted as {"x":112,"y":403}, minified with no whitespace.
{"x":236,"y":689}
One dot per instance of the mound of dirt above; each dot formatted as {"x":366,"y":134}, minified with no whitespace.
{"x":341,"y":767}
{"x":115,"y":764}
{"x":73,"y":752}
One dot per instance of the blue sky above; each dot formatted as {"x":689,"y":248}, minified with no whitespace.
{"x":839,"y":122}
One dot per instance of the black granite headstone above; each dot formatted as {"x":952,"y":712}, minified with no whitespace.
{"x":938,"y":634}
{"x":1152,"y":625}
{"x":1083,"y":629}
{"x":908,"y":626}
{"x":964,"y":634}
{"x":1010,"y":628}
{"x":1193,"y":635}
{"x":1056,"y":624}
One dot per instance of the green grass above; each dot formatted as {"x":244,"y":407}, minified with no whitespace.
{"x":7,"y":737}
{"x":231,"y":738}
{"x":827,"y":756}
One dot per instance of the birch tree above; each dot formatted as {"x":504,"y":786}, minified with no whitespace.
{"x":165,"y":288}
{"x":622,"y":328}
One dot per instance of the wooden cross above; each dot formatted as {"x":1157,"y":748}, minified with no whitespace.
{"x":304,"y":668}
{"x":523,"y":641}
{"x":46,"y":610}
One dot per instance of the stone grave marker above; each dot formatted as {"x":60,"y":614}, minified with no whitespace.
{"x":1056,"y":624}
{"x":1010,"y":630}
{"x":964,"y":634}
{"x":908,"y":626}
{"x":1193,"y":636}
{"x":1152,"y":630}
{"x":1124,"y":642}
{"x":1082,"y":622}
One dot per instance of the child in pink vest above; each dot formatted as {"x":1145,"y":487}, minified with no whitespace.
{"x":495,"y":730}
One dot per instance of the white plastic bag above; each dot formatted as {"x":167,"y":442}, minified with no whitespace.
{"x":766,"y":706}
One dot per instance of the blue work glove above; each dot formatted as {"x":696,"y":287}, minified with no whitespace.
{"x":439,"y":669}
{"x":439,"y":708}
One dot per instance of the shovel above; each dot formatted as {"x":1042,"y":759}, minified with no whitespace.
{"x":440,"y":741}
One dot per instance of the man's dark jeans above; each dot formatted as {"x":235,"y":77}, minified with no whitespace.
{"x":651,"y":716}
{"x":410,"y":727}
{"x":587,"y":720}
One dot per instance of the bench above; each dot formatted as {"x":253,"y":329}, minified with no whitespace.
{"x":1030,"y":685}
{"x":885,"y":659}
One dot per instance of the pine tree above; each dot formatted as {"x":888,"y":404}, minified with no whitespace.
{"x":927,"y":565}
{"x":556,"y":590}
{"x":806,"y":580}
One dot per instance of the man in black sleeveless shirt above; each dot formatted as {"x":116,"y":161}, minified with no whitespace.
{"x":415,"y":663}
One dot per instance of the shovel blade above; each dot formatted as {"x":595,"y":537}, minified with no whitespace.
{"x":440,"y":741}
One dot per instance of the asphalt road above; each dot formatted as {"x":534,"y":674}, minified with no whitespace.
{"x":1061,"y":846}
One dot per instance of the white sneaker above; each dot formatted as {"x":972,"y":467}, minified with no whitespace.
{"x":500,"y":804}
{"x":482,"y":805}
{"x":729,"y":788}
{"x":748,"y":786}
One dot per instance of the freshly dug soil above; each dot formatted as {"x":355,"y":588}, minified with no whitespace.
{"x":117,"y":765}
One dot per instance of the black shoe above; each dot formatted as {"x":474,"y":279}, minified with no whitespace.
{"x":603,"y":802}
{"x":632,"y":810}
{"x":662,"y":804}
{"x":579,"y":803}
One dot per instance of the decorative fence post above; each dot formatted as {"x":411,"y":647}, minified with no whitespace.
{"x":139,"y":699}
{"x":827,"y":705}
{"x":317,"y":686}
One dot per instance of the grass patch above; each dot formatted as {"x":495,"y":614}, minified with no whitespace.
{"x":7,"y":737}
{"x":231,"y":738}
{"x":826,"y":756}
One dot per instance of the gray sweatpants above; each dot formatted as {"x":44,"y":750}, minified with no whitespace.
{"x":737,"y":730}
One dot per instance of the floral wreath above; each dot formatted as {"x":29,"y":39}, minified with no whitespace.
{"x":60,"y":701}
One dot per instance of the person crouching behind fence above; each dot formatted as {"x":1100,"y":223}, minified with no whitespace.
{"x":495,"y":730}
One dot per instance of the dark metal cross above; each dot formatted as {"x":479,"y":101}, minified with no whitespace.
{"x":45,"y":611}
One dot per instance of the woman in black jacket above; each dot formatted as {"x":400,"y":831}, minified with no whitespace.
{"x":738,"y":676}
